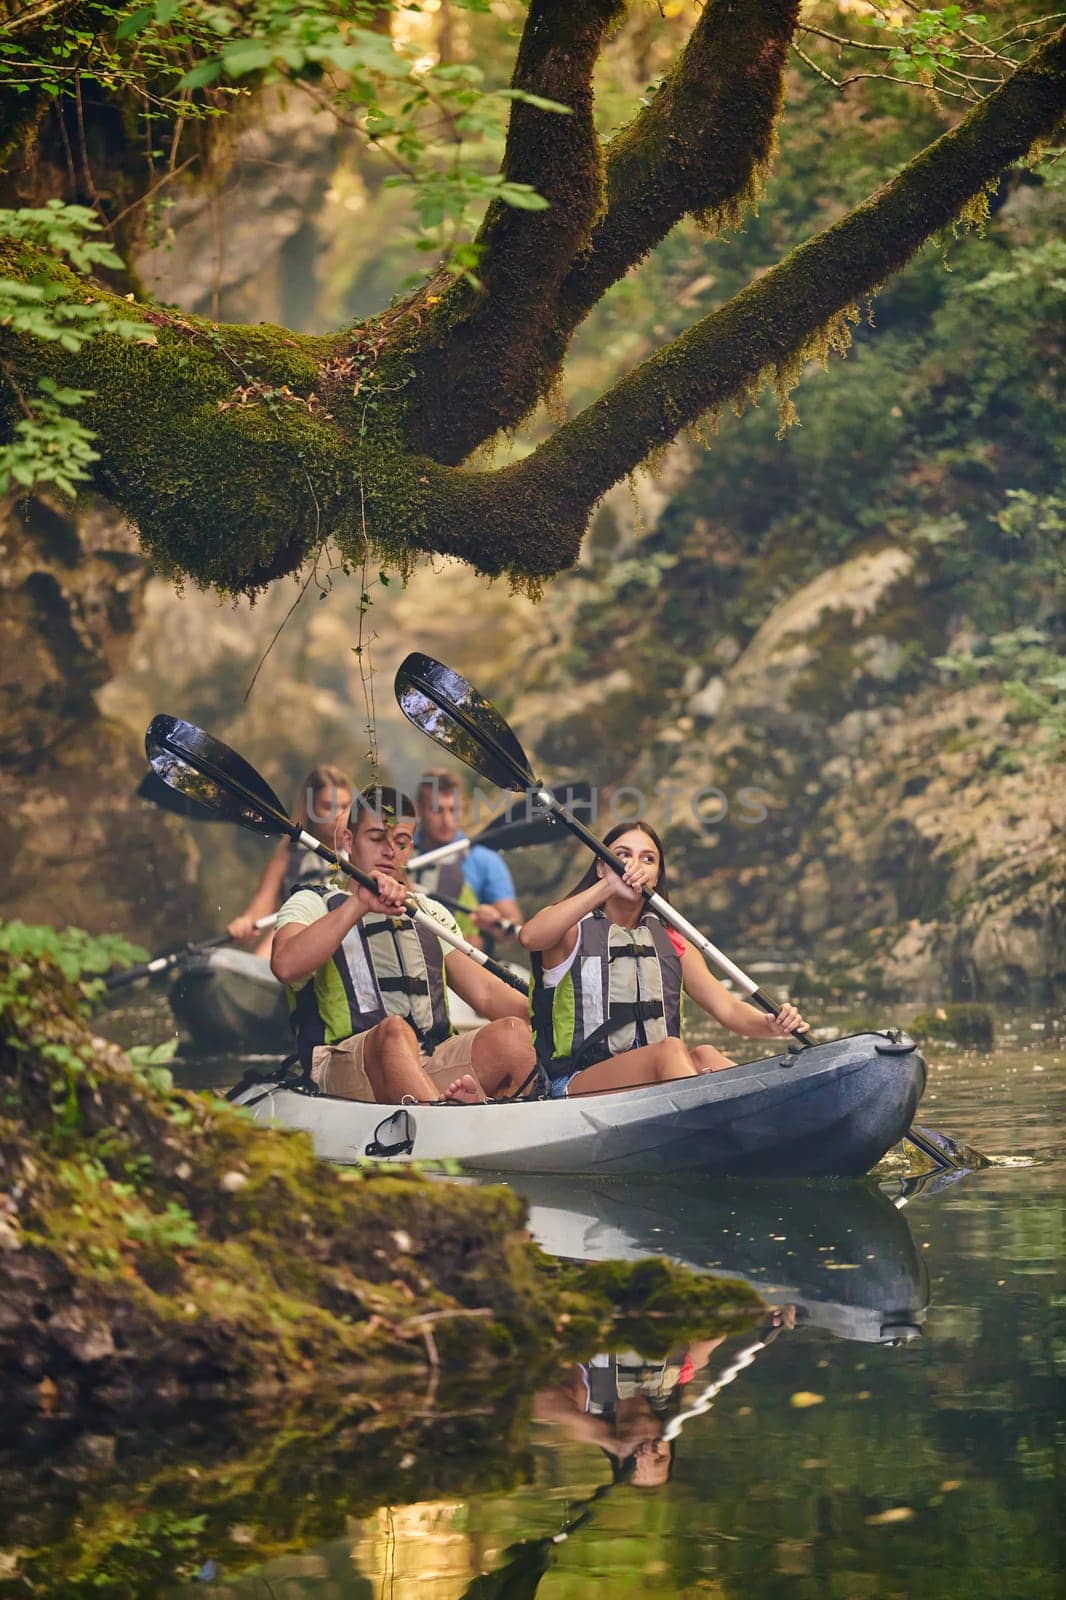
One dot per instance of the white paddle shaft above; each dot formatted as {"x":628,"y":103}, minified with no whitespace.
{"x":443,"y":852}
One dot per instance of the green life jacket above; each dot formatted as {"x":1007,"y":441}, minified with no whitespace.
{"x":446,"y":878}
{"x":623,"y":990}
{"x":385,"y":967}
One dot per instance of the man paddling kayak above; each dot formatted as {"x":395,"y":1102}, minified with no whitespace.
{"x":479,"y":879}
{"x":368,"y":987}
{"x":608,"y":979}
{"x":325,"y":800}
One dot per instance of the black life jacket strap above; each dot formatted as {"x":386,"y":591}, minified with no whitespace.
{"x":429,"y":1040}
{"x":402,"y":983}
{"x":290,"y":1074}
{"x":537,"y":1075}
{"x":632,"y":1011}
{"x":596,"y":1047}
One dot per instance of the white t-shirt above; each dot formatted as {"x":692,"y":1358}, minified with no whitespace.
{"x":552,"y":977}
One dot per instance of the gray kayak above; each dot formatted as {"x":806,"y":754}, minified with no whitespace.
{"x":840,"y":1253}
{"x":228,"y":1002}
{"x":832,"y":1110}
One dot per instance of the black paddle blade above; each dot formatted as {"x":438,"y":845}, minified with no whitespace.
{"x":456,"y":716}
{"x":524,"y":823}
{"x":212,"y":777}
{"x":152,"y":787}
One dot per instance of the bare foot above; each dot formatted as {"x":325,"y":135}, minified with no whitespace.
{"x":466,"y":1091}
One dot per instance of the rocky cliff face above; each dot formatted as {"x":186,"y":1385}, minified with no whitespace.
{"x":912,"y":833}
{"x":77,"y":845}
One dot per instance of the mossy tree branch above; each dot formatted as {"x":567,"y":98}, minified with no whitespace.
{"x":240,"y":450}
{"x":479,"y":354}
{"x":700,"y":148}
{"x":534,"y":514}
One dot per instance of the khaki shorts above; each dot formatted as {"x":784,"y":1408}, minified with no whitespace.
{"x":338,"y":1069}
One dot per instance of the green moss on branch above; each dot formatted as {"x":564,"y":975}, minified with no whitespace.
{"x":702,"y":146}
{"x":482,"y":357}
{"x":801,"y":307}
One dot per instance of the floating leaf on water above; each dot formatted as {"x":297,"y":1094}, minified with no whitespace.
{"x":804,"y":1398}
{"x":884,"y":1519}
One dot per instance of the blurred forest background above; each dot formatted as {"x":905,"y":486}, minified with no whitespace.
{"x":860,"y":618}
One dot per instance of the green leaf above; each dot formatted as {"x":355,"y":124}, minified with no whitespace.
{"x":523,"y":197}
{"x":134,"y":22}
{"x":206,"y":72}
{"x":536,"y":100}
{"x":246,"y":55}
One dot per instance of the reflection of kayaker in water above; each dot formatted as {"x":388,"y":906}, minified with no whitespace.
{"x":634,"y":1409}
{"x":639,"y":1410}
{"x":608,"y":979}
{"x":622,"y":1404}
{"x":325,"y":800}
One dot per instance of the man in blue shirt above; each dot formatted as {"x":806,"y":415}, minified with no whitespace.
{"x":478,"y":879}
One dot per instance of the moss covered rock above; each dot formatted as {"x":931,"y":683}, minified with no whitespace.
{"x":958,"y":1021}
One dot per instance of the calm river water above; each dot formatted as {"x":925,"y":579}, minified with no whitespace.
{"x":890,"y":1430}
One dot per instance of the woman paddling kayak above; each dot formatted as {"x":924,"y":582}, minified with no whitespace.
{"x":608,"y":978}
{"x":325,"y":800}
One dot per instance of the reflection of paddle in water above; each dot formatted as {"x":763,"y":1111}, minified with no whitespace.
{"x":649,"y":1461}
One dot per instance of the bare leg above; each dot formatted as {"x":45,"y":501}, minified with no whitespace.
{"x":503,"y":1056}
{"x":708,"y":1059}
{"x":652,"y":1063}
{"x":390,"y":1057}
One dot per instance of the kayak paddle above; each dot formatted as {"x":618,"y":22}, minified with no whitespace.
{"x":206,"y":771}
{"x":175,"y":958}
{"x":153,"y":788}
{"x":457,"y":716}
{"x":511,"y":929}
{"x":522,"y":824}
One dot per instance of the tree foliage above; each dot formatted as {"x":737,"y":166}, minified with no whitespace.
{"x":239,"y":451}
